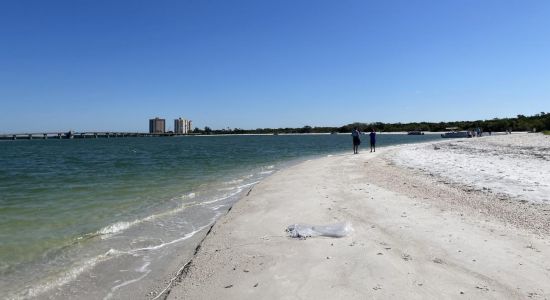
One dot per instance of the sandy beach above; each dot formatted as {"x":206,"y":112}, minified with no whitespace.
{"x":456,"y":219}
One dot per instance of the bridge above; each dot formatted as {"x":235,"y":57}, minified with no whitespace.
{"x":81,"y":135}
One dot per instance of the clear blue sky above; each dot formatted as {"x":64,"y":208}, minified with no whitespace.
{"x":112,"y":65}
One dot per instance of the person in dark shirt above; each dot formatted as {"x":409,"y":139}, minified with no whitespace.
{"x":356,"y":140}
{"x":372,"y":140}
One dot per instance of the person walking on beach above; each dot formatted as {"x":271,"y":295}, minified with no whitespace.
{"x":356,"y":140}
{"x":372,"y":140}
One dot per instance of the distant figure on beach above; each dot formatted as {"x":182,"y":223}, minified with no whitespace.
{"x":480,"y":131}
{"x":356,"y":140}
{"x":372,"y":140}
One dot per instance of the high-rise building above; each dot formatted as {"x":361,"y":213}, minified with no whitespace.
{"x":182,"y":126}
{"x":179,"y":126}
{"x":157,"y":125}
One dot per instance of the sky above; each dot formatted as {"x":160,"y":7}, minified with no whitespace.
{"x":111,"y":65}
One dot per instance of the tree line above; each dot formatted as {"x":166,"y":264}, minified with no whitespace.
{"x":538,"y":122}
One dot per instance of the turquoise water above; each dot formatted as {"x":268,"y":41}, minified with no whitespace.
{"x":63,"y":201}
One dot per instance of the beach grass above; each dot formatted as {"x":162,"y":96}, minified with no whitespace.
{"x":547,"y":132}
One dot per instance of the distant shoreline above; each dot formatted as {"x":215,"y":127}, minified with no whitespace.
{"x":78,"y":136}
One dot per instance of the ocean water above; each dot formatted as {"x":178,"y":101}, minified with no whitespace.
{"x":69,"y":206}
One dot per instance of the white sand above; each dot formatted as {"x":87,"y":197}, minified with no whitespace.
{"x":517,"y":165}
{"x":416,"y":237}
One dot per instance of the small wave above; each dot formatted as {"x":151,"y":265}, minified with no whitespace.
{"x":70,"y":275}
{"x":73,"y":273}
{"x":125,"y":283}
{"x":226,"y":189}
{"x":188,"y":196}
{"x":143,"y":268}
{"x":114,"y":252}
{"x":222,"y":198}
{"x":217,"y":207}
{"x":237,"y":191}
{"x":183,"y":197}
{"x":156,"y":247}
{"x":117,"y":227}
{"x":266,"y":172}
{"x":233,"y":181}
{"x":248,"y":184}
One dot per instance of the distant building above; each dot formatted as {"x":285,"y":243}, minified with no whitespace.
{"x":182,"y":126}
{"x":179,"y":126}
{"x":157,"y":125}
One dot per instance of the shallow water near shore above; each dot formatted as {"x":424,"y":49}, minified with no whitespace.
{"x":69,"y":206}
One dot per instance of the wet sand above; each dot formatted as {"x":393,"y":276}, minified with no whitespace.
{"x":417,"y":234}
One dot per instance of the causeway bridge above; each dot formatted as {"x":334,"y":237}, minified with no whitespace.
{"x":81,"y":135}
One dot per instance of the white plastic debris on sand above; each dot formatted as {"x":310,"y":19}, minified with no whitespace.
{"x":333,"y":230}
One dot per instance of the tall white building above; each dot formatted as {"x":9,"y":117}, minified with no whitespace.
{"x":182,"y":126}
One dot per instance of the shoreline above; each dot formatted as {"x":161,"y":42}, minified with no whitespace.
{"x":25,"y":136}
{"x":226,"y":266}
{"x":81,"y":276}
{"x":108,"y":274}
{"x":178,"y":264}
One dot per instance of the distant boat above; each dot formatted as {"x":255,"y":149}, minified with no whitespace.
{"x":415,"y":132}
{"x":334,"y":132}
{"x":457,"y":134}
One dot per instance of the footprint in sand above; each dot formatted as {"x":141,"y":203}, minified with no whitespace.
{"x":437,"y":260}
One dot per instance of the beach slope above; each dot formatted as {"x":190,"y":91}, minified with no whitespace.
{"x":414,"y":237}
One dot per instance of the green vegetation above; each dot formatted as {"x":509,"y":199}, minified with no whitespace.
{"x":539,"y":122}
{"x":547,"y":132}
